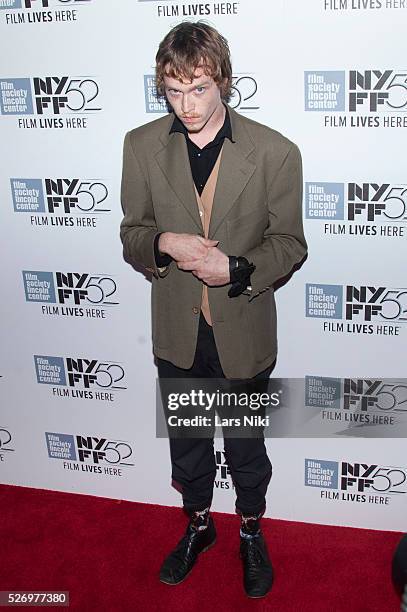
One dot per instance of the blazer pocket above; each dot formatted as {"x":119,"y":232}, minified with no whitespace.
{"x":245,"y":232}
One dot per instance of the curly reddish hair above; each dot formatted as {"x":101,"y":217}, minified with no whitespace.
{"x":189,"y":45}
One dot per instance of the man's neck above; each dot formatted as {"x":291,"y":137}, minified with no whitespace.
{"x":209,"y":131}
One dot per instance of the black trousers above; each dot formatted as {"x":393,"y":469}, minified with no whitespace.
{"x":193,"y":461}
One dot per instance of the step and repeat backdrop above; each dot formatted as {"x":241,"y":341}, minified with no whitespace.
{"x":77,"y":378}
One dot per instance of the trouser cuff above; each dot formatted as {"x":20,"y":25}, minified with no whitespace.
{"x":190,"y":509}
{"x":254,"y":511}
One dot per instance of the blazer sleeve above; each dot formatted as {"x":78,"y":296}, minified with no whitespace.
{"x":283,"y":243}
{"x":138,"y":228}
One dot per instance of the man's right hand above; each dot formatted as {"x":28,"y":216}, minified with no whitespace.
{"x":185,"y":247}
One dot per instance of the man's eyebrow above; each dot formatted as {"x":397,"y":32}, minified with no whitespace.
{"x":203,"y":84}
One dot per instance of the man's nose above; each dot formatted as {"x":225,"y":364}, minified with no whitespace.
{"x":187,"y":104}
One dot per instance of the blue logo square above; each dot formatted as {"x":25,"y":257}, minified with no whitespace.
{"x":50,"y":370}
{"x":324,"y":90}
{"x":60,"y":446}
{"x":16,"y":97}
{"x":27,"y":195}
{"x":39,"y":286}
{"x":322,"y":392}
{"x":324,"y":201}
{"x":321,"y":473}
{"x":323,"y":301}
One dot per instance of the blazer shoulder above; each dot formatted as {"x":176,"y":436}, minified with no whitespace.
{"x":149,"y":133}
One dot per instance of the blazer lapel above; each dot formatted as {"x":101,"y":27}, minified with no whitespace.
{"x":174,"y":163}
{"x":234,"y":173}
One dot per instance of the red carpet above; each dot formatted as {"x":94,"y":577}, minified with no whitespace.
{"x":107,"y":553}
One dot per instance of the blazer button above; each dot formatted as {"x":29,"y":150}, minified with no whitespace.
{"x":195,"y":310}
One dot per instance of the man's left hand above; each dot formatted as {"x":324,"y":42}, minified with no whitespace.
{"x":213,"y":269}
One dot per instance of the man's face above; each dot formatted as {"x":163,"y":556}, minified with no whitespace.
{"x":196,"y":103}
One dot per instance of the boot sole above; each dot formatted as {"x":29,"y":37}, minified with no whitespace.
{"x":260,"y":596}
{"x":257,"y":596}
{"x":186,"y":575}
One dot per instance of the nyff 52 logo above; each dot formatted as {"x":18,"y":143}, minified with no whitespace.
{"x":371,"y":90}
{"x":372,"y":200}
{"x":369,"y":302}
{"x":59,"y":195}
{"x":357,"y":477}
{"x":366,"y":395}
{"x":365,"y":202}
{"x":75,"y":288}
{"x":79,"y":372}
{"x":361,"y":303}
{"x":376,"y":394}
{"x":49,"y":95}
{"x":89,"y":449}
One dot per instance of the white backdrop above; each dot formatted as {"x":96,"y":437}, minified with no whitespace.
{"x":77,"y":376}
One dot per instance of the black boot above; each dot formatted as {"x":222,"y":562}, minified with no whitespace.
{"x":257,"y":568}
{"x":199,"y":536}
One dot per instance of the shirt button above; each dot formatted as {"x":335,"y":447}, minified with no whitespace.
{"x":201,"y":213}
{"x":195,"y":310}
{"x":199,"y":155}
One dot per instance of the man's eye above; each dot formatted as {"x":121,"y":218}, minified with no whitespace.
{"x":200,"y":89}
{"x":173,"y":92}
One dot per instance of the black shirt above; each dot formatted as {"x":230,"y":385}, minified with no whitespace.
{"x":201,"y":161}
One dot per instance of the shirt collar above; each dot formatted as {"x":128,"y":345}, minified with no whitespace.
{"x":224,"y":132}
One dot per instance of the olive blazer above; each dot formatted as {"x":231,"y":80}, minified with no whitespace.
{"x":256,"y":213}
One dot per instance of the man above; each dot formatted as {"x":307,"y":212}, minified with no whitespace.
{"x":212,"y":207}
